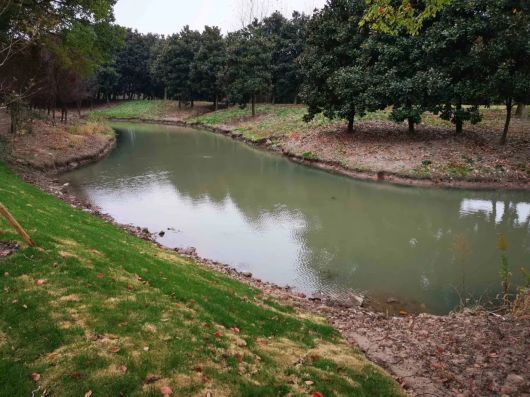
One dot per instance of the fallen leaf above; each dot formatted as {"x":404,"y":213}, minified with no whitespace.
{"x":100,"y":276}
{"x":115,"y":349}
{"x":123,"y":369}
{"x":76,"y":375}
{"x":40,"y":282}
{"x":198,"y":369}
{"x":35,"y":376}
{"x":317,"y":394}
{"x":403,"y":312}
{"x":166,"y":391}
{"x":88,"y":393}
{"x":152,"y":379}
{"x":239,"y":358}
{"x":309,"y":382}
{"x":236,"y":330}
{"x":146,"y":349}
{"x":218,"y":334}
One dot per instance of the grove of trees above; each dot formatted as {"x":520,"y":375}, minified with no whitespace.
{"x":448,"y":57}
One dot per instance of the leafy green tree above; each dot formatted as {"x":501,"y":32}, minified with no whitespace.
{"x":208,"y":65}
{"x":505,"y":54}
{"x":133,"y":64}
{"x":176,"y":61}
{"x":288,"y":41}
{"x":248,"y":67}
{"x":337,"y":75}
{"x":451,"y":45}
{"x":405,"y":80}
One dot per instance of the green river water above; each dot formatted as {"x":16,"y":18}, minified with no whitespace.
{"x":298,"y":226}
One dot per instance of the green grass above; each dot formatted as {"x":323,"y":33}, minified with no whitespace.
{"x":118,"y":316}
{"x":272,"y":121}
{"x":134,"y":109}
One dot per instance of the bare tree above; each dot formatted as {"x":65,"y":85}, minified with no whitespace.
{"x":249,"y":10}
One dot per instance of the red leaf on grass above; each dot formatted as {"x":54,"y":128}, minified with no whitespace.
{"x":218,"y":334}
{"x":40,"y":282}
{"x":100,"y":275}
{"x":166,"y":391}
{"x":317,"y":394}
{"x":35,"y":376}
{"x":236,"y":330}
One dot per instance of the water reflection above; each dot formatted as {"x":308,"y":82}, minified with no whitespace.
{"x":298,"y":226}
{"x":497,"y":209}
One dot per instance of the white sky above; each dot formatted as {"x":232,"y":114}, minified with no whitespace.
{"x":169,"y":16}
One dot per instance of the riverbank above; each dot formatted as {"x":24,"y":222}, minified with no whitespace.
{"x":378,"y":150}
{"x":56,"y":147}
{"x":440,"y":355}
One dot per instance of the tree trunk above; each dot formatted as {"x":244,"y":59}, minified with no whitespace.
{"x":412,"y":129}
{"x":350,"y":124}
{"x":216,"y":103}
{"x":458,"y":121}
{"x":509,"y":108}
{"x":165,"y":93}
{"x":253,"y":105}
{"x":13,"y":122}
{"x":521,"y":111}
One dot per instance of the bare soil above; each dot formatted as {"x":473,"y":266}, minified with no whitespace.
{"x":56,"y":146}
{"x":7,"y":248}
{"x":434,"y":155}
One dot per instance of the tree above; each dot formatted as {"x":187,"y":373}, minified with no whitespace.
{"x":133,"y":65}
{"x":392,"y":16}
{"x":176,"y":62}
{"x":506,"y":54}
{"x":288,"y":41}
{"x":451,"y":45}
{"x":248,"y":67}
{"x":405,"y":80}
{"x":208,"y":64}
{"x":336,"y":71}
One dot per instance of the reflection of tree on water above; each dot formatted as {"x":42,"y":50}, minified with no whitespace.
{"x":388,"y":240}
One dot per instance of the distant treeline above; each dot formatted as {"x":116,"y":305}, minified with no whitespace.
{"x":470,"y":54}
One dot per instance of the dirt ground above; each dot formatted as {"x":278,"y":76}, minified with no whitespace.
{"x":433,"y":153}
{"x":55,"y":146}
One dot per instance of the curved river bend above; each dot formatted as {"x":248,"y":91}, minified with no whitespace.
{"x":290,"y":224}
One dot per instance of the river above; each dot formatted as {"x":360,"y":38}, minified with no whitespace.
{"x":421,"y":249}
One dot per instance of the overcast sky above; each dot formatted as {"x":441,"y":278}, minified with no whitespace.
{"x":169,"y":16}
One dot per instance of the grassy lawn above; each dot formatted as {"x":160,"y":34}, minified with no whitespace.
{"x":96,"y":309}
{"x":271,"y":120}
{"x":131,"y":109}
{"x":279,"y":120}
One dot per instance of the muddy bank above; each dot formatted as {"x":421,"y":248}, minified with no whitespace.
{"x":290,"y":150}
{"x":471,"y":353}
